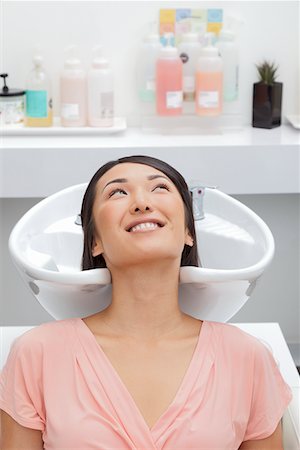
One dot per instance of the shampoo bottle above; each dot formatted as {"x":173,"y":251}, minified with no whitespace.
{"x":189,"y":50}
{"x":209,"y":81}
{"x":229,"y":52}
{"x":100,"y":86}
{"x":73,"y":91}
{"x":169,"y":82}
{"x":38,"y":100}
{"x":146,"y":67}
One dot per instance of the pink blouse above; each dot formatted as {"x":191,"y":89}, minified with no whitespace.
{"x":58,"y":379}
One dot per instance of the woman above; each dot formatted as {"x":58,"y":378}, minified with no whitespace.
{"x":140,"y":374}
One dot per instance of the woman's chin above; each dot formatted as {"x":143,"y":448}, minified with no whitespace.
{"x":147,"y":259}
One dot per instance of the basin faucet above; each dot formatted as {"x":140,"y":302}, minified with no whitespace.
{"x":197,"y":191}
{"x":78,"y":220}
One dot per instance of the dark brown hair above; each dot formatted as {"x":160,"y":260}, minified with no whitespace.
{"x":189,"y":256}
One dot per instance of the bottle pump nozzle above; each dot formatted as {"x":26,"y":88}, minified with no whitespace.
{"x":72,"y":59}
{"x":99,"y":61}
{"x":4,"y":75}
{"x":37,"y":55}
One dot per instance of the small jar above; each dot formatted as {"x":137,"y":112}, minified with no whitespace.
{"x":11,"y":104}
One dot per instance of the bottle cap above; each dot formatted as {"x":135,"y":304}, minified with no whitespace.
{"x":209,"y":49}
{"x":72,"y":61}
{"x":37,"y":56}
{"x":99,"y":61}
{"x":152,"y":36}
{"x":38,"y":60}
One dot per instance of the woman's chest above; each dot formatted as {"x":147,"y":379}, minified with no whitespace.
{"x":117,"y":392}
{"x":151,"y":376}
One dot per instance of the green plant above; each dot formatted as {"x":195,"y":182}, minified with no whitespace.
{"x":267,"y":72}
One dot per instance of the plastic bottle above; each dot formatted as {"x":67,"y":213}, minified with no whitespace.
{"x":169,"y":81}
{"x":230,"y":55}
{"x":209,"y":81}
{"x":146,"y":67}
{"x":38,"y":99}
{"x":100,"y":85}
{"x":73,"y":91}
{"x":189,"y":50}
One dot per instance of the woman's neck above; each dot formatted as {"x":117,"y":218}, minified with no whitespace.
{"x":145,"y":302}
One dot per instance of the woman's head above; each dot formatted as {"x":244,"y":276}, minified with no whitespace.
{"x":111,"y":204}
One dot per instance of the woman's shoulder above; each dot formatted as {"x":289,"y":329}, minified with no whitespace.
{"x":234,"y":338}
{"x":47,"y":334}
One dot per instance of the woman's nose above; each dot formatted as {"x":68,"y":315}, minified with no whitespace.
{"x":141,"y":202}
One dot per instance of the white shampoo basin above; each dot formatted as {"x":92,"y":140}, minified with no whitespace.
{"x":234,"y":244}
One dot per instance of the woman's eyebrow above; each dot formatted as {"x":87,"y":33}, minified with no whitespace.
{"x":117,"y":180}
{"x":124,"y":180}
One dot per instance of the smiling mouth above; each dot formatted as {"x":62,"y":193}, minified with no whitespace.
{"x":144,"y":227}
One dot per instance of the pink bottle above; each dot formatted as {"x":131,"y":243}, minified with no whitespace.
{"x":169,"y":82}
{"x":73,"y":92}
{"x":209,"y":81}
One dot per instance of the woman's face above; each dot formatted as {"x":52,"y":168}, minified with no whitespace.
{"x":130,"y":194}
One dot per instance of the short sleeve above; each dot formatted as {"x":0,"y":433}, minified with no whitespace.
{"x":270,"y":395}
{"x":21,"y":383}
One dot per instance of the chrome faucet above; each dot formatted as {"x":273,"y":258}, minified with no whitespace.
{"x":78,"y":220}
{"x":198,"y":191}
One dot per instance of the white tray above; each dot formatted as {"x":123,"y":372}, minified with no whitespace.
{"x":119,"y":125}
{"x":294,"y":120}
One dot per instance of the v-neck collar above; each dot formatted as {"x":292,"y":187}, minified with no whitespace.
{"x":125,"y":406}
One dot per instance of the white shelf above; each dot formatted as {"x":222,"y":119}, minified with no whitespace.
{"x":17,"y":130}
{"x":245,"y":161}
{"x":86,"y":137}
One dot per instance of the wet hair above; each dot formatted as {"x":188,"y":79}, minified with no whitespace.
{"x":189,"y":256}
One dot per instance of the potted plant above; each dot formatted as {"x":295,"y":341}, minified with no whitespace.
{"x":267,"y":96}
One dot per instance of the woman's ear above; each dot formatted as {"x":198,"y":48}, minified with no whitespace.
{"x":188,"y":239}
{"x":97,"y":248}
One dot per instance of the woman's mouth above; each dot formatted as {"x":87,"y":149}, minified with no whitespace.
{"x":143,"y":227}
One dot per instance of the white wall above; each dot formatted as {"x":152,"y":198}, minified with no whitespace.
{"x":270,"y":30}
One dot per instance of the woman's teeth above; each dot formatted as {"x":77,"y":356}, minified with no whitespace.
{"x":144,"y":226}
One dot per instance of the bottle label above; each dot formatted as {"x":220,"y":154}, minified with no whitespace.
{"x":70,"y":111}
{"x":208,"y":99}
{"x":174,"y":99}
{"x":36,"y":104}
{"x":106,"y":105}
{"x":11,"y":111}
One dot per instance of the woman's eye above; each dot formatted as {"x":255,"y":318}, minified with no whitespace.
{"x":162,"y":185}
{"x":116,"y":190}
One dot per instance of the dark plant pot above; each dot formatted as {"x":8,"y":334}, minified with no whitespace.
{"x":266,"y":111}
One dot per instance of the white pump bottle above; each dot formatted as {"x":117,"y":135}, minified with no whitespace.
{"x":189,"y":50}
{"x":73,"y":91}
{"x":146,"y":67}
{"x":229,"y":52}
{"x":100,"y":91}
